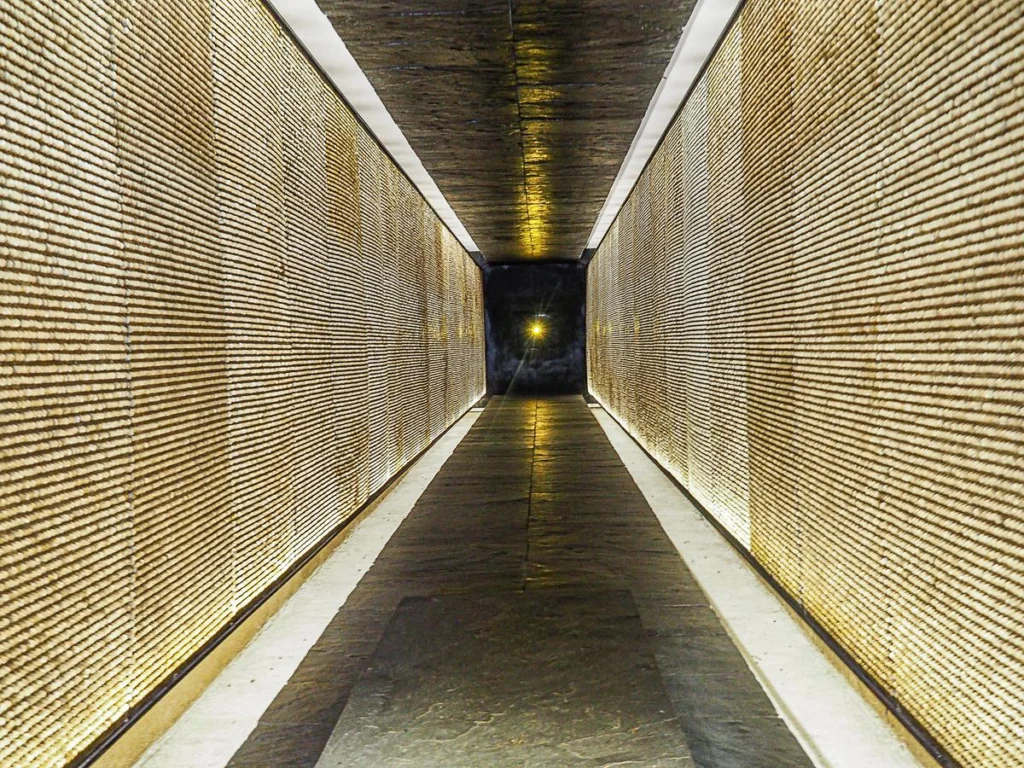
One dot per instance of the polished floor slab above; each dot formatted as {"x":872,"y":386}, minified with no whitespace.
{"x":541,"y":679}
{"x":530,"y":611}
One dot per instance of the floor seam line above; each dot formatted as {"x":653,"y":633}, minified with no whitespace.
{"x":529,"y":498}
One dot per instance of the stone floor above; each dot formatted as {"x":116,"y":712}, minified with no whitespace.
{"x":530,"y":611}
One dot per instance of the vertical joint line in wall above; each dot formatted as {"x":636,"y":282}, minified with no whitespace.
{"x":218,"y":181}
{"x":522,"y":145}
{"x":883,"y":102}
{"x":364,"y":473}
{"x":130,"y":490}
{"x":129,"y":494}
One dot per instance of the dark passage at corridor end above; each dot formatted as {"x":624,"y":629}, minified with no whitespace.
{"x":530,"y":611}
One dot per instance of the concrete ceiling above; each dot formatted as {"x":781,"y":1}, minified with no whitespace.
{"x":521,"y":110}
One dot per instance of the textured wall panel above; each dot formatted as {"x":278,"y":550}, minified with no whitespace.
{"x":768,"y":154}
{"x":465,"y":329}
{"x":410,"y":369}
{"x":66,"y":534}
{"x":841,"y":361}
{"x":837,"y":453}
{"x":227,"y":320}
{"x":437,"y":329}
{"x":727,"y":493}
{"x":659,"y":427}
{"x":694,"y":254}
{"x":249,"y":85}
{"x":673,"y":314}
{"x":177,"y":332}
{"x":378,"y":272}
{"x":314,"y":281}
{"x":948,"y":373}
{"x":350,"y":369}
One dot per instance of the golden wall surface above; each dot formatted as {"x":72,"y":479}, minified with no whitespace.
{"x":811,"y":311}
{"x":226,"y":319}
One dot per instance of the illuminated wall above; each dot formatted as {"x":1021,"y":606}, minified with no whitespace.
{"x":811,"y":311}
{"x":225,"y":320}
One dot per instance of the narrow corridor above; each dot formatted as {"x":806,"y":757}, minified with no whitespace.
{"x":743,"y":279}
{"x":530,"y":611}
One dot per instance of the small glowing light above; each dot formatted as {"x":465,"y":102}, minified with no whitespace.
{"x":536,"y":329}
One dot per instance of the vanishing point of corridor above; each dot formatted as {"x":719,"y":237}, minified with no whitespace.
{"x":530,"y":612}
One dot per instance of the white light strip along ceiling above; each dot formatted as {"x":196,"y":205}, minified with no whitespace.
{"x":318,"y":36}
{"x":707,"y":24}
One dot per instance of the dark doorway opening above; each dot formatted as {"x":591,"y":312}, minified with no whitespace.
{"x":536,"y":332}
